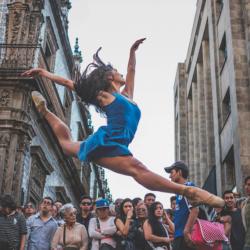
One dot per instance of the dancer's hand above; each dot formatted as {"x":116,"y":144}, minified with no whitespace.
{"x":130,"y":77}
{"x":33,"y":72}
{"x":136,"y":44}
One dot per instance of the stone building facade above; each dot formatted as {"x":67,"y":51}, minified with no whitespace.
{"x":33,"y":33}
{"x":212,"y":96}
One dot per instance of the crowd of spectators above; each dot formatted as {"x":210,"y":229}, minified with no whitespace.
{"x":125,"y":224}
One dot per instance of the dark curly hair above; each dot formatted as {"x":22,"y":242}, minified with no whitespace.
{"x":88,"y":86}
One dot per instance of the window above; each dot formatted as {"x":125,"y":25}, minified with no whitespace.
{"x":228,"y":170}
{"x":50,"y":45}
{"x":226,"y":106}
{"x":219,"y":7}
{"x":68,"y":98}
{"x":48,"y":55}
{"x":223,"y":52}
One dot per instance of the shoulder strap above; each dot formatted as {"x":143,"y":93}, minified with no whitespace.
{"x":165,"y":227}
{"x":98,"y":224}
{"x":64,"y":234}
{"x":98,"y":227}
{"x":187,"y":203}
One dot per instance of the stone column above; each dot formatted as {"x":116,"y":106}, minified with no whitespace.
{"x":190,"y":137}
{"x":16,"y":133}
{"x":243,"y":89}
{"x":196,"y":134}
{"x":239,"y":88}
{"x":181,"y":123}
{"x":208,"y":106}
{"x":202,"y":164}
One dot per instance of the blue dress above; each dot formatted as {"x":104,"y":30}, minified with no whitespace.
{"x":112,"y":140}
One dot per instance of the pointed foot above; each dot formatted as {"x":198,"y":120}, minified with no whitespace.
{"x":198,"y":196}
{"x":39,"y":102}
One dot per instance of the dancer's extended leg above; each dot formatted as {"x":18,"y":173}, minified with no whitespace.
{"x":59,"y":128}
{"x":128,"y":165}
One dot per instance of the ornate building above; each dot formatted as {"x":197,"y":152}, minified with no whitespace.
{"x":33,"y":33}
{"x":212,"y":96}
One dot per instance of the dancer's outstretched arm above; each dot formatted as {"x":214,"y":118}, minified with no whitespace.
{"x":129,"y":85}
{"x":55,"y":78}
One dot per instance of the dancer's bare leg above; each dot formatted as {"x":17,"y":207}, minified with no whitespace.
{"x":62,"y":132}
{"x":128,"y":165}
{"x":60,"y":129}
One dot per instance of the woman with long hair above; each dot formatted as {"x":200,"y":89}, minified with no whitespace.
{"x":126,"y":226}
{"x":141,"y":211}
{"x":154,"y":229}
{"x":108,"y":146}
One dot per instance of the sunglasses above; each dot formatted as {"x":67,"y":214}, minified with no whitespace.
{"x":47,"y":203}
{"x":28,"y":206}
{"x":141,"y":209}
{"x":86,"y":203}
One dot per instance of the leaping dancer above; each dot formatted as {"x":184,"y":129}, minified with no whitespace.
{"x":108,"y":146}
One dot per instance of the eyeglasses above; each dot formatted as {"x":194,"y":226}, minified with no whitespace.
{"x":72,"y":214}
{"x":86,"y":203}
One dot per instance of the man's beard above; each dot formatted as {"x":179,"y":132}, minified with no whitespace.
{"x":44,"y":212}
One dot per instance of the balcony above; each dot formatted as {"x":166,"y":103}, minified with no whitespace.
{"x":16,"y":58}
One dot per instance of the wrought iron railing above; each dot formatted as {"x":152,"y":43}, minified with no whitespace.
{"x":19,"y":57}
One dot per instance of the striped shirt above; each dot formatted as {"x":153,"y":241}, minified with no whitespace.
{"x":12,"y":227}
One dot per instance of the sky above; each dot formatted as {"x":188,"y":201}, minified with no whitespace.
{"x":115,"y":25}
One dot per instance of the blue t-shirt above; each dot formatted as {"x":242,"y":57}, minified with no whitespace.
{"x":181,"y":213}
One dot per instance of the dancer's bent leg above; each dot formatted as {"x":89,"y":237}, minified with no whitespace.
{"x":59,"y":128}
{"x":62,"y":132}
{"x":128,"y":165}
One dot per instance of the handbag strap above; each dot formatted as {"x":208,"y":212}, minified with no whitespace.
{"x":98,"y":224}
{"x":166,"y":229}
{"x":64,"y":235}
{"x":98,"y":227}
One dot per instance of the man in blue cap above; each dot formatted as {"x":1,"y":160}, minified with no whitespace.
{"x":184,"y":215}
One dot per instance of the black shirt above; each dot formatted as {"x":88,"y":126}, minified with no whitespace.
{"x":84,"y":221}
{"x":237,"y":237}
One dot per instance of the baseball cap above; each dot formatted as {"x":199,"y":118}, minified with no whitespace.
{"x":177,"y":165}
{"x":102,"y":203}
